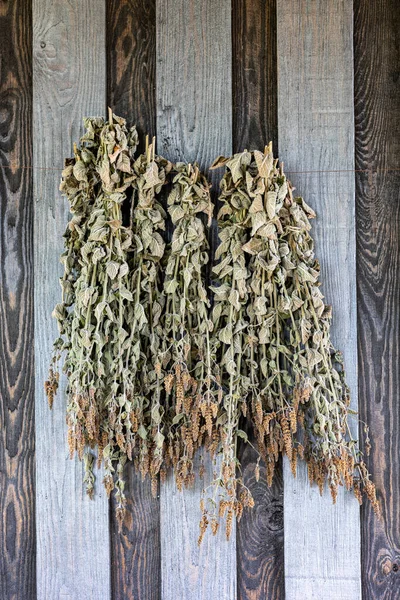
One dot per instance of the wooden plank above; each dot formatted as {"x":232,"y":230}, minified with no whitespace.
{"x":135,"y":552}
{"x":194,"y":81}
{"x":131,"y":57}
{"x":316,"y":132}
{"x":254,"y":73}
{"x":260,"y":534}
{"x":69,"y":83}
{"x":377,"y":117}
{"x":131,"y":62}
{"x":255,"y":123}
{"x":194,"y":122}
{"x":17,"y":421}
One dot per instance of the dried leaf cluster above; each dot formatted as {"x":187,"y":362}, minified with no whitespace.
{"x":158,"y":363}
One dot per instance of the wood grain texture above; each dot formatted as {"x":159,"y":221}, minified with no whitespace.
{"x":69,"y":83}
{"x":135,"y":551}
{"x":255,"y":123}
{"x":17,"y":422}
{"x":131,"y":62}
{"x":131,"y":57}
{"x":377,"y":118}
{"x":316,"y":132}
{"x":194,"y":122}
{"x":187,"y":571}
{"x":194,"y":81}
{"x":260,"y":535}
{"x":254,"y":73}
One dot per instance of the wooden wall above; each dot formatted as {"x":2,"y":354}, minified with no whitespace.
{"x":322,"y":81}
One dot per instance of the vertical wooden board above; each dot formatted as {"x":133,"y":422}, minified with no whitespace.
{"x":194,"y":81}
{"x":254,"y":73}
{"x":255,"y":123}
{"x":188,"y":571}
{"x":377,"y":118}
{"x":131,"y":56}
{"x":194,"y":122}
{"x":69,"y":83}
{"x":131,"y":62}
{"x":260,"y":556}
{"x":135,"y":551}
{"x":17,"y":422}
{"x":316,"y":132}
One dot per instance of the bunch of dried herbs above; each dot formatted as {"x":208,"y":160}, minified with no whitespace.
{"x":94,"y":284}
{"x":181,"y":352}
{"x":160,"y":365}
{"x":106,"y":267}
{"x":228,"y":343}
{"x":274,"y":340}
{"x":131,"y":415}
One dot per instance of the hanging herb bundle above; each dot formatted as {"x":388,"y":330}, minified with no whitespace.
{"x":183,"y":360}
{"x":227,"y":346}
{"x":95,"y":276}
{"x":100,"y":318}
{"x":291,"y":377}
{"x":154,"y":371}
{"x":130,"y":412}
{"x":148,"y":224}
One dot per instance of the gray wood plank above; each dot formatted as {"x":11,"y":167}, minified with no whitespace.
{"x":69,"y":83}
{"x":194,"y":122}
{"x":194,"y":81}
{"x":316,"y":132}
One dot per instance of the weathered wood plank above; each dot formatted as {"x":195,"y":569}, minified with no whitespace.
{"x":260,"y":535}
{"x":254,"y":73}
{"x":17,"y":422}
{"x":194,"y":122}
{"x":131,"y":57}
{"x":316,"y":132}
{"x":194,"y":81}
{"x":135,"y":551}
{"x":255,"y":123}
{"x":377,"y":117}
{"x":131,"y":62}
{"x":69,"y":83}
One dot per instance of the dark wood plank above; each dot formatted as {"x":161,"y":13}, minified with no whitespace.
{"x":254,"y":74}
{"x":255,"y":123}
{"x":131,"y":62}
{"x":260,"y":534}
{"x":131,"y":57}
{"x":17,"y":421}
{"x":194,"y":122}
{"x":377,"y":117}
{"x":316,"y":133}
{"x":135,"y":551}
{"x":69,"y":81}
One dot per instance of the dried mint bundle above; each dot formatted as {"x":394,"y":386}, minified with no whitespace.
{"x":94,"y":281}
{"x":160,"y":365}
{"x":130,"y":412}
{"x":290,"y":378}
{"x":228,"y":344}
{"x":182,"y":361}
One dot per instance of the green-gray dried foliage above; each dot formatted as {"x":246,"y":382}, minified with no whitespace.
{"x":159,"y":366}
{"x":181,"y":354}
{"x":95,"y":278}
{"x":272,"y":331}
